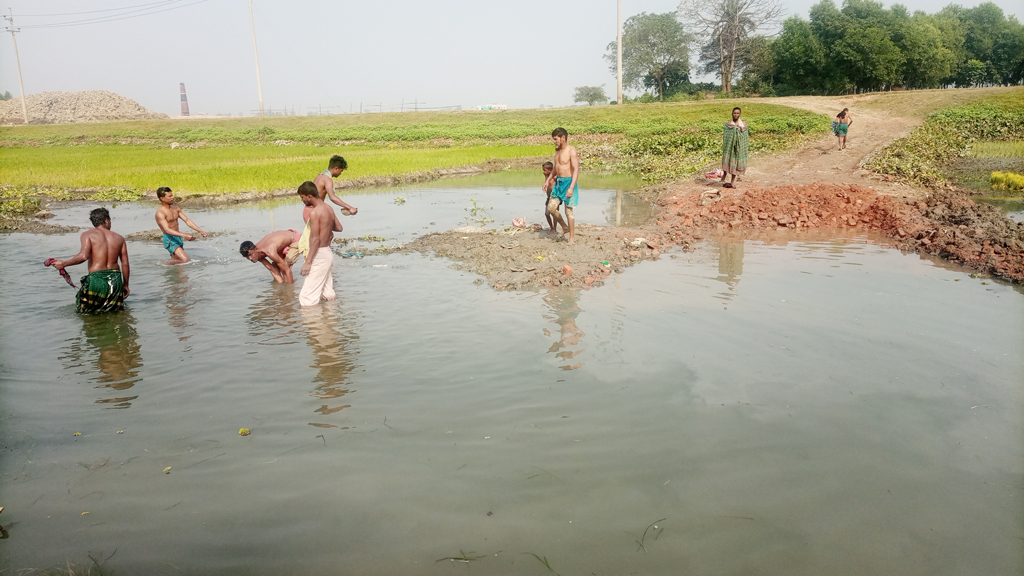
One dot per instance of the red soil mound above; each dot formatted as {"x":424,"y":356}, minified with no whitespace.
{"x":948,"y":224}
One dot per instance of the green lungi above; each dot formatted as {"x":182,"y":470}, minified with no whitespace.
{"x":735,"y":150}
{"x":101,"y":291}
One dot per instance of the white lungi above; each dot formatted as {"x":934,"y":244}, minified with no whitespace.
{"x":319,"y":283}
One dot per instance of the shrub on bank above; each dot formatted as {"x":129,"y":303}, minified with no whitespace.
{"x":1009,"y":181}
{"x":946,"y":135}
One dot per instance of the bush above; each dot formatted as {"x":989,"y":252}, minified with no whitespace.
{"x":1010,"y":181}
{"x":944,"y":136}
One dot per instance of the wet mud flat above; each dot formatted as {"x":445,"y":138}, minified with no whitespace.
{"x":947,"y":224}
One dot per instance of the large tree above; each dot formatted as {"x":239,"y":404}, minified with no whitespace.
{"x":800,"y":58}
{"x":927,"y":61}
{"x":871,"y":60}
{"x":589,"y":94}
{"x":653,"y":45}
{"x":726,"y":25}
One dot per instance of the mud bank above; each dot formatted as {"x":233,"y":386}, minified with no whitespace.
{"x":947,"y":224}
{"x":520,"y":259}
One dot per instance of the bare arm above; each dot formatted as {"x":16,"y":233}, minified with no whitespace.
{"x":336,"y":225}
{"x":283,"y":268}
{"x":125,"y":268}
{"x":190,"y":223}
{"x":334,"y":198}
{"x":574,"y":165}
{"x":82,"y":255}
{"x":272,"y":268}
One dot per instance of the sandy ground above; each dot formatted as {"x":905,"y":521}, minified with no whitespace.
{"x":816,"y":186}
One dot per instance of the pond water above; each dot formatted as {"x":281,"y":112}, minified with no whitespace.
{"x":805,"y":406}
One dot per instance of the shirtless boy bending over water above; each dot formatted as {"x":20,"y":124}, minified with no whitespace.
{"x":167,"y":216}
{"x":319,"y":263}
{"x":106,"y":286}
{"x":277,"y":251}
{"x":563,"y":182}
{"x":548,"y":168}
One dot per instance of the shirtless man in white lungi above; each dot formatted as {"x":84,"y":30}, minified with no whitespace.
{"x":319,"y":263}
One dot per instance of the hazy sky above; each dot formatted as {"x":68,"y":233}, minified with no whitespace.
{"x":521,"y":53}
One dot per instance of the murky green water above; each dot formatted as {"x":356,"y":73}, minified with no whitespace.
{"x":815,"y":407}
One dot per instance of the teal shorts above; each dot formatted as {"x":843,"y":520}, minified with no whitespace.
{"x":562,"y":187}
{"x":172,"y":243}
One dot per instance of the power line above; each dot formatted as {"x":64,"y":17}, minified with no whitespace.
{"x":102,"y":19}
{"x":95,"y":11}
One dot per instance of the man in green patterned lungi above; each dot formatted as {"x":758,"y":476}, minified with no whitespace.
{"x":106,"y":286}
{"x":735,"y":148}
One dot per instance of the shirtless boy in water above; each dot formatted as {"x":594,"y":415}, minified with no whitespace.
{"x":276,"y":251}
{"x":325,"y":184}
{"x":563,"y":182}
{"x":167,"y":216}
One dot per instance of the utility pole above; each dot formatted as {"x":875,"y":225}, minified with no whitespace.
{"x":618,"y":42}
{"x":21,"y":84}
{"x":259,"y":83}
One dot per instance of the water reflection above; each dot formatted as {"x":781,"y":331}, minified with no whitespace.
{"x":628,"y":210}
{"x":273,"y":316}
{"x":730,"y":268}
{"x":114,"y":341}
{"x":565,"y":308}
{"x":332,"y":358}
{"x":179,"y":302}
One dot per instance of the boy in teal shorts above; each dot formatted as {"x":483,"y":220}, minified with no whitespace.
{"x":167,"y":216}
{"x":563,"y":182}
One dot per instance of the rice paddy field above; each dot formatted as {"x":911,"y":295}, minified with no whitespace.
{"x":251,"y":154}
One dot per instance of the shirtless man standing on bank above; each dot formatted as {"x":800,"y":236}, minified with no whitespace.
{"x":167,"y":216}
{"x":563,"y":182}
{"x":325,"y":184}
{"x":319,"y":263}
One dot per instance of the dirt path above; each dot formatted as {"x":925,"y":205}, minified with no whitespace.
{"x":816,"y":186}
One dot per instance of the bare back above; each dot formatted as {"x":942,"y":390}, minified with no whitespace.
{"x":103,"y":248}
{"x":276,"y":242}
{"x":324,"y":184}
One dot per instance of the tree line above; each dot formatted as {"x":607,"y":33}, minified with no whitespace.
{"x":859,"y":47}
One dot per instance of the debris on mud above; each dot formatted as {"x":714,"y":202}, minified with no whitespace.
{"x":947,"y":224}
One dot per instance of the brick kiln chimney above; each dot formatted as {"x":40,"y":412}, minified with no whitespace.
{"x":184,"y":101}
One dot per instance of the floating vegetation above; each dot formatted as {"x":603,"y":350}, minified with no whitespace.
{"x":657,"y":532}
{"x":462,"y":557}
{"x":544,"y":560}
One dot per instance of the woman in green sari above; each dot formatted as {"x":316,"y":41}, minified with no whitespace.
{"x":735,"y":148}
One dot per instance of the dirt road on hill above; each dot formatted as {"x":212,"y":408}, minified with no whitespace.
{"x":814,"y":187}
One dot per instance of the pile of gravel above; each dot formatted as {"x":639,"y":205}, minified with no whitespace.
{"x":74,"y":107}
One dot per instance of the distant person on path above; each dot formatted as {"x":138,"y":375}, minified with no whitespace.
{"x":325,"y":184}
{"x":319,"y":263}
{"x":167,"y":216}
{"x":548,"y":168}
{"x":277,"y":251}
{"x":106,"y":286}
{"x":735,"y":148}
{"x":563,"y":182}
{"x":841,"y":126}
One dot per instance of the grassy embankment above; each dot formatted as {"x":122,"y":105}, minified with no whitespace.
{"x":122,"y":160}
{"x":934,"y":154}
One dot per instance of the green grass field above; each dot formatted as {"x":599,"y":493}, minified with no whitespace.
{"x":124,"y":159}
{"x":998,"y":149}
{"x":224,"y":169}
